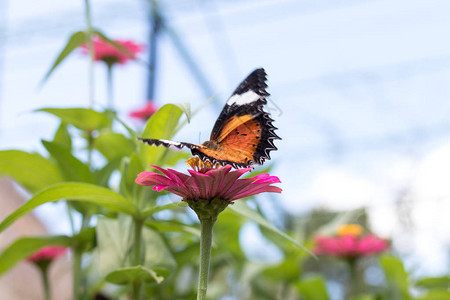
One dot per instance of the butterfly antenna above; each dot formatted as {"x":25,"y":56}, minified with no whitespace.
{"x":277,"y":108}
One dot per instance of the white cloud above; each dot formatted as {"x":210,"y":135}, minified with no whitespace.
{"x":340,"y":190}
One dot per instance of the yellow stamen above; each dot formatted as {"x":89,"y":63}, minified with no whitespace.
{"x":198,"y":165}
{"x":349,"y":229}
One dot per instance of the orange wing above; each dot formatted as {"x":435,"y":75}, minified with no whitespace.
{"x":238,"y":147}
{"x":232,"y":124}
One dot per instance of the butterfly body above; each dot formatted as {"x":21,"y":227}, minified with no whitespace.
{"x":243,"y":133}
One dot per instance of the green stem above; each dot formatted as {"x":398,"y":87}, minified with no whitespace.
{"x":90,"y":44}
{"x":70,"y":216}
{"x":138,"y":224}
{"x":206,"y":225}
{"x":356,"y":285}
{"x":45,"y":282}
{"x":79,"y":283}
{"x":207,"y":212}
{"x":90,"y":147}
{"x":109,"y":86}
{"x":77,"y":287}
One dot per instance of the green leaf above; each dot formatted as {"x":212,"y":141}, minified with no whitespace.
{"x":153,"y":210}
{"x":442,"y":282}
{"x":173,"y":226}
{"x":24,"y":247}
{"x":130,"y":169}
{"x":104,"y":174}
{"x":171,"y":158}
{"x":31,"y":170}
{"x":227,"y":231}
{"x":156,"y":254}
{"x":113,"y":145}
{"x":71,"y":167}
{"x":364,"y":297}
{"x":72,"y":191}
{"x":133,"y":274}
{"x":160,"y":126}
{"x":82,"y":118}
{"x":313,"y":288}
{"x":62,"y":137}
{"x":240,"y":208}
{"x":115,"y":244}
{"x":131,"y":132}
{"x":186,"y":108}
{"x":76,"y":40}
{"x":289,"y":270}
{"x":436,"y":295}
{"x":396,"y":277}
{"x":84,"y":240}
{"x":114,"y":238}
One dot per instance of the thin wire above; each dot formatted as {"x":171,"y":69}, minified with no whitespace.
{"x":112,"y":16}
{"x":220,"y":40}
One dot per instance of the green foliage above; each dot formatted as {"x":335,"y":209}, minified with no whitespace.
{"x":313,"y":288}
{"x":165,"y":260}
{"x":73,"y":191}
{"x":115,"y":243}
{"x":76,"y":40}
{"x":31,"y":170}
{"x":24,"y":247}
{"x":137,"y":237}
{"x":132,"y":275}
{"x":161,"y":125}
{"x":85,"y":119}
{"x":442,"y":282}
{"x":434,"y":287}
{"x":62,"y":136}
{"x":242,"y":209}
{"x":71,"y":167}
{"x":113,"y":145}
{"x":396,"y":277}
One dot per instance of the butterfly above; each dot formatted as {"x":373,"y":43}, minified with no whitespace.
{"x":243,"y":134}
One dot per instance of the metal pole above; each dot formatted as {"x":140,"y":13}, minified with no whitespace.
{"x":154,"y":27}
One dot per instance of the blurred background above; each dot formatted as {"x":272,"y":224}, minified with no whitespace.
{"x":360,"y":94}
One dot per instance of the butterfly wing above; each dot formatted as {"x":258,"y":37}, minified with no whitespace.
{"x":170,"y":144}
{"x":240,"y":148}
{"x":243,"y":134}
{"x":249,"y":98}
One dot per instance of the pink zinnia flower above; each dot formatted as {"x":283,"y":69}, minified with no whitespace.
{"x":107,"y":53}
{"x":145,"y":112}
{"x":209,"y":183}
{"x":47,"y":254}
{"x":350,"y":244}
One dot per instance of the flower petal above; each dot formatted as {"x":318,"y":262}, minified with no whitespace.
{"x":203,"y":184}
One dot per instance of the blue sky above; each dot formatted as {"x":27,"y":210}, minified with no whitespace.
{"x":362,"y":87}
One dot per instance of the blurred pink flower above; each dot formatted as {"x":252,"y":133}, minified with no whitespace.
{"x":47,"y":253}
{"x":349,"y":245}
{"x":208,"y":183}
{"x":105,"y":52}
{"x":145,"y":112}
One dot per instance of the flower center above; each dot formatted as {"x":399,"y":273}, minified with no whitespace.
{"x":198,"y":165}
{"x":349,"y":229}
